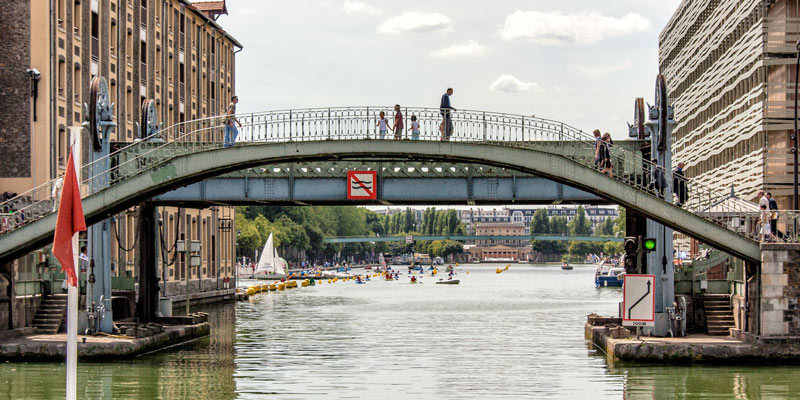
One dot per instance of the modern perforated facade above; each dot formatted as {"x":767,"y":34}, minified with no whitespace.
{"x":729,"y":67}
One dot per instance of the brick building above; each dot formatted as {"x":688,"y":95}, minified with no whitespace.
{"x":169,"y":51}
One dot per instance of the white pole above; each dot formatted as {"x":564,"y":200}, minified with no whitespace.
{"x":72,"y":298}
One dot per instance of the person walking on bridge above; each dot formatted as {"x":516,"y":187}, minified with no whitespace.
{"x":606,"y":166}
{"x":773,"y":215}
{"x":446,"y":109}
{"x":679,"y":185}
{"x":398,"y":123}
{"x":230,"y":118}
{"x":597,"y":142}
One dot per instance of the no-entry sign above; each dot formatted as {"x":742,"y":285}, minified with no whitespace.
{"x":638,"y":300}
{"x":361,"y":185}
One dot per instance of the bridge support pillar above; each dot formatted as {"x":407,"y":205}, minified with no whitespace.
{"x":777,"y":299}
{"x":148,"y":301}
{"x":100,"y":252}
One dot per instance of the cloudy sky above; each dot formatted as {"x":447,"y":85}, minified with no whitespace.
{"x":578,"y":61}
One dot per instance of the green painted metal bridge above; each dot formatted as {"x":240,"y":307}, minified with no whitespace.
{"x":192,"y":152}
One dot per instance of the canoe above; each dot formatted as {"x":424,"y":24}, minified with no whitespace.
{"x":448,"y":282}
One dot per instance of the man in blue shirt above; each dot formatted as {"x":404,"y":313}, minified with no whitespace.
{"x":446,"y":109}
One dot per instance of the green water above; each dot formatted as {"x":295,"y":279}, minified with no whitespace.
{"x":518,"y":334}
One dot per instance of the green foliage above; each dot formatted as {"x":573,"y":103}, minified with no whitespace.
{"x":619,"y":222}
{"x":580,"y":225}
{"x":611,"y":248}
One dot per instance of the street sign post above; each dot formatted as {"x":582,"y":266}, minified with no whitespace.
{"x":361,"y":185}
{"x":638,"y":300}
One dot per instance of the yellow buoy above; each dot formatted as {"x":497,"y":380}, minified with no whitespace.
{"x":467,"y":272}
{"x":281,"y":286}
{"x":251,"y":291}
{"x":305,"y":283}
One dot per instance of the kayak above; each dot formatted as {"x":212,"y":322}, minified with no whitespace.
{"x":448,"y":282}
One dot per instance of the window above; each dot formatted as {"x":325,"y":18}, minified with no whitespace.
{"x":62,"y":77}
{"x":76,"y":18}
{"x":61,"y":13}
{"x":129,"y":47}
{"x":76,"y":84}
{"x":113,"y":41}
{"x":128,"y":104}
{"x":95,"y":37}
{"x":143,"y":62}
{"x":62,"y":146}
{"x":143,"y":14}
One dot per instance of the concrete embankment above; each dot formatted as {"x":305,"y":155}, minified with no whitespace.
{"x":619,"y":344}
{"x":33,"y":347}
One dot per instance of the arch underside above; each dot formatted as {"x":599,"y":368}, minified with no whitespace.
{"x":189,"y":168}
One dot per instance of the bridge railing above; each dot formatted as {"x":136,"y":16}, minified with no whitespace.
{"x":348,"y":123}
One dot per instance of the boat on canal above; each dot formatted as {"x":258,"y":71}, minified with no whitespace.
{"x":270,"y":265}
{"x":608,"y":274}
{"x":565,"y":266}
{"x":448,"y":282}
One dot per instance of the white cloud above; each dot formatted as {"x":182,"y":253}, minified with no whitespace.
{"x":415,"y":21}
{"x":510,"y":84}
{"x":357,"y":7}
{"x":470,"y":48}
{"x":599,"y":70}
{"x":553,"y":28}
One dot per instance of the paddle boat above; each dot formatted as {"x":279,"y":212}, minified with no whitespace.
{"x":448,"y":282}
{"x":565,"y":266}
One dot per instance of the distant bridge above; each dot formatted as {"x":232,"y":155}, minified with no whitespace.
{"x":377,"y":239}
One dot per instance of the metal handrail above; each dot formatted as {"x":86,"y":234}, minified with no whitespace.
{"x":348,"y":123}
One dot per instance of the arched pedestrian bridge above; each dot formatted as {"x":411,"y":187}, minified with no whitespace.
{"x":535,"y":147}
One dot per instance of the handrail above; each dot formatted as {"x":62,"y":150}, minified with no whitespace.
{"x":348,"y":123}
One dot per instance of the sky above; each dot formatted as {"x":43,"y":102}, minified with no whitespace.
{"x":581,"y":62}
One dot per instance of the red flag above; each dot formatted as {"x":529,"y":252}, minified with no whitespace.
{"x":70,"y":220}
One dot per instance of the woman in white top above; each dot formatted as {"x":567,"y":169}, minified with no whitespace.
{"x":414,"y":128}
{"x":383,"y":125}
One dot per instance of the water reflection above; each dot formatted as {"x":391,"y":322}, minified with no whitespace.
{"x":709,"y":382}
{"x":518,"y":334}
{"x":200,"y":370}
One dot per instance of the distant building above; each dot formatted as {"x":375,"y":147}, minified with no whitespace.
{"x":596,"y":215}
{"x":501,"y":229}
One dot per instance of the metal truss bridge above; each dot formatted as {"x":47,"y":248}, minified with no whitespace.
{"x":491,"y":158}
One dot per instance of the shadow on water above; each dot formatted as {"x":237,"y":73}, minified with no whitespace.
{"x":202,"y":369}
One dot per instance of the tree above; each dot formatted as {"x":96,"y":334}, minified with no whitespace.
{"x":453,"y":222}
{"x":580,"y":225}
{"x":559,"y":225}
{"x":410,"y":221}
{"x":606,"y":228}
{"x":611,"y":248}
{"x":620,"y":223}
{"x":540,"y":223}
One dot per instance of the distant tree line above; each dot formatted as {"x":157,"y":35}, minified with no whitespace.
{"x":574,"y":250}
{"x":298,"y":232}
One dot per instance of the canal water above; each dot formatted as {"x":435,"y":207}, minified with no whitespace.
{"x":511,"y":335}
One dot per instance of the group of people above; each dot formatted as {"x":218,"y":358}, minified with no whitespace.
{"x":383,"y":124}
{"x":445,"y":127}
{"x":397,"y":127}
{"x":768,"y":217}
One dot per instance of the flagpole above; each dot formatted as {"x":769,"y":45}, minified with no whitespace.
{"x":72,"y":301}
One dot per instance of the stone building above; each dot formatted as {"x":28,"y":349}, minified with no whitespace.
{"x":170,"y":51}
{"x":729,"y":69}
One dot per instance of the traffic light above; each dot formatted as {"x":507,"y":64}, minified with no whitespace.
{"x":631,"y":246}
{"x":649,"y":244}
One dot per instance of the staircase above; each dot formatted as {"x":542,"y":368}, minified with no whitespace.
{"x":51,"y":314}
{"x":719,"y":315}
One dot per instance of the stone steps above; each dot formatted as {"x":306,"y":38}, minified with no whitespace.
{"x":50,"y":315}
{"x":719,"y":315}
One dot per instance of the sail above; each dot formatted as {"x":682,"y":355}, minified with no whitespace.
{"x":266,"y":262}
{"x":280,"y":265}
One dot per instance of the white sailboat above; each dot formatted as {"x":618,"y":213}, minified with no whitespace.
{"x":270,"y":266}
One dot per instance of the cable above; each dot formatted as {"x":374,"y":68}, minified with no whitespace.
{"x":119,"y":242}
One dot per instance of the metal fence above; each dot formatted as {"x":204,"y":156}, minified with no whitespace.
{"x":362,"y":123}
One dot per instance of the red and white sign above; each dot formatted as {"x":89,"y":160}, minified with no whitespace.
{"x":361,"y":185}
{"x":638,"y":300}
